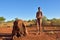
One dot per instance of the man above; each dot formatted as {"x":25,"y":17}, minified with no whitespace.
{"x":39,"y":20}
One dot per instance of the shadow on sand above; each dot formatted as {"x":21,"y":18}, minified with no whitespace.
{"x":5,"y":36}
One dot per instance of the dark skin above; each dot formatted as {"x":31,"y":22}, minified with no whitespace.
{"x":39,"y":13}
{"x":39,"y":17}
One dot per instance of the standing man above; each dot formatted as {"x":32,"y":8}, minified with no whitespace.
{"x":39,"y":20}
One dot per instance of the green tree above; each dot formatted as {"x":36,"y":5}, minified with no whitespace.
{"x":33,"y":21}
{"x":16,"y":18}
{"x":10,"y":21}
{"x":53,"y":21}
{"x":29,"y":20}
{"x":44,"y":20}
{"x":58,"y":22}
{"x":2,"y":19}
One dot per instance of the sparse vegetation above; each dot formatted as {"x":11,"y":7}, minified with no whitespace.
{"x":45,"y":21}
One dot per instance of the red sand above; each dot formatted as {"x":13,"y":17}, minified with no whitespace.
{"x":31,"y":36}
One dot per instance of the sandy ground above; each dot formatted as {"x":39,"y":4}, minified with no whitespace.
{"x":31,"y":34}
{"x":42,"y":36}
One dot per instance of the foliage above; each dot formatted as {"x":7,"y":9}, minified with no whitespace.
{"x":10,"y":21}
{"x":16,"y":18}
{"x":2,"y":19}
{"x":55,"y":21}
{"x":44,"y":20}
{"x":29,"y":20}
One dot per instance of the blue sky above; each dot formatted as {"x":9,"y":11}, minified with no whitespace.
{"x":26,"y":9}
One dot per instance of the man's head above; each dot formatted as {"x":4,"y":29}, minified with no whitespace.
{"x":38,"y":8}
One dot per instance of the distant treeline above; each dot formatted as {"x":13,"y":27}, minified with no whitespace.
{"x":52,"y":22}
{"x":45,"y":21}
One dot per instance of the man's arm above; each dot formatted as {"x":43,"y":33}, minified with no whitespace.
{"x":36,"y":15}
{"x":41,"y":14}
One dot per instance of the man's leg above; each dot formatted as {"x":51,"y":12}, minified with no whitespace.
{"x":41,"y":25}
{"x":37,"y":26}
